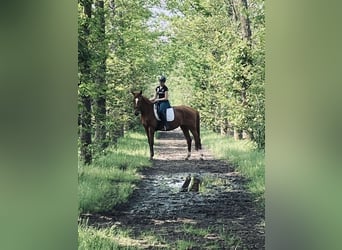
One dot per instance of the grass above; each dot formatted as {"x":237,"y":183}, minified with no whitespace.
{"x":193,"y":230}
{"x":111,"y":179}
{"x":91,"y":238}
{"x":209,"y":181}
{"x":243,"y":154}
{"x":105,"y":238}
{"x":184,"y":244}
{"x":230,"y":239}
{"x":119,"y":238}
{"x":116,"y":238}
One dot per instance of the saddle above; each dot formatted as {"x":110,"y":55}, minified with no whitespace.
{"x":170,"y":114}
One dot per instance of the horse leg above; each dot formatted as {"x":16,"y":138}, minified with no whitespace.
{"x":198,"y":145}
{"x":151,"y":141}
{"x":196,"y":137}
{"x":188,"y":140}
{"x":150,"y":138}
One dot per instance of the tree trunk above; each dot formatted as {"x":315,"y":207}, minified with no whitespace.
{"x":245,"y":22}
{"x":237,"y":134}
{"x":231,"y":9}
{"x":85,"y":110}
{"x":247,"y":36}
{"x":86,"y":152}
{"x":100,"y":78}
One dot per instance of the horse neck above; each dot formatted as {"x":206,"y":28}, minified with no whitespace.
{"x":147,"y":106}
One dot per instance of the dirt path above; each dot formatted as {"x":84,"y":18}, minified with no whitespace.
{"x":221,"y":216}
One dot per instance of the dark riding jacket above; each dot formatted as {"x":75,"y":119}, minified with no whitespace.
{"x":162,"y":105}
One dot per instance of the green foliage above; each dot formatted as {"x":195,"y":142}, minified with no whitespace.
{"x":115,"y":50}
{"x":197,"y":44}
{"x":222,"y":72}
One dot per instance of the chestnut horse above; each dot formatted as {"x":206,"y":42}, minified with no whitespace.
{"x":186,"y":118}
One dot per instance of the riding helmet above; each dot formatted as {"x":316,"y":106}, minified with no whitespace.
{"x":162,"y":79}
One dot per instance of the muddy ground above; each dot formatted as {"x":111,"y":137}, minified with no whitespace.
{"x":222,"y":215}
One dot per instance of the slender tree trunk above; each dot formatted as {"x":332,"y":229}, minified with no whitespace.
{"x":231,"y":10}
{"x":86,"y":152}
{"x":247,"y":35}
{"x":85,"y":112}
{"x":246,"y":61}
{"x":237,"y":134}
{"x":245,"y":22}
{"x":100,"y":78}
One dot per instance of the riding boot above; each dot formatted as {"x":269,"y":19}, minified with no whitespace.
{"x":163,"y":119}
{"x":165,"y":126}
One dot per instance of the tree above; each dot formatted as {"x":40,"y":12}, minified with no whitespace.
{"x":100,"y":75}
{"x":223,"y":61}
{"x":245,"y":61}
{"x":84,"y":61}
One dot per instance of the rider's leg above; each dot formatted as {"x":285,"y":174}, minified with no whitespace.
{"x":163,"y":107}
{"x":163,"y":119}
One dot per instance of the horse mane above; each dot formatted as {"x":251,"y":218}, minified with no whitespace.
{"x":146,"y":100}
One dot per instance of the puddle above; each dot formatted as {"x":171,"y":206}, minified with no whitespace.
{"x":163,"y":196}
{"x":210,"y":182}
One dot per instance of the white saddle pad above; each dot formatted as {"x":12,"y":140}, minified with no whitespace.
{"x":170,"y":114}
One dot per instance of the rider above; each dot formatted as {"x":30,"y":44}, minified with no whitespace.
{"x":161,"y":97}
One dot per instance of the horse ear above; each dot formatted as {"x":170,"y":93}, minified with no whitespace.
{"x":140,"y":92}
{"x":132,"y":93}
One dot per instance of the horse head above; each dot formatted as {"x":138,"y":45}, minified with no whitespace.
{"x":137,"y":102}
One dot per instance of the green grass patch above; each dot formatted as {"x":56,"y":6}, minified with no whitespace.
{"x":196,"y":231}
{"x":111,"y":179}
{"x":208,"y":182}
{"x":233,"y":241}
{"x":115,"y":238}
{"x":230,"y":239}
{"x":105,"y":238}
{"x":244,"y":155}
{"x":184,"y":244}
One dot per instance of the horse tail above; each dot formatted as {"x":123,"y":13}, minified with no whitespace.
{"x":198,"y":129}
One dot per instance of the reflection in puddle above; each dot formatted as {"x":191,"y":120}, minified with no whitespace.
{"x":163,"y":193}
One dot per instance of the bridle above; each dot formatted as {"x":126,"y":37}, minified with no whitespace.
{"x":137,"y":105}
